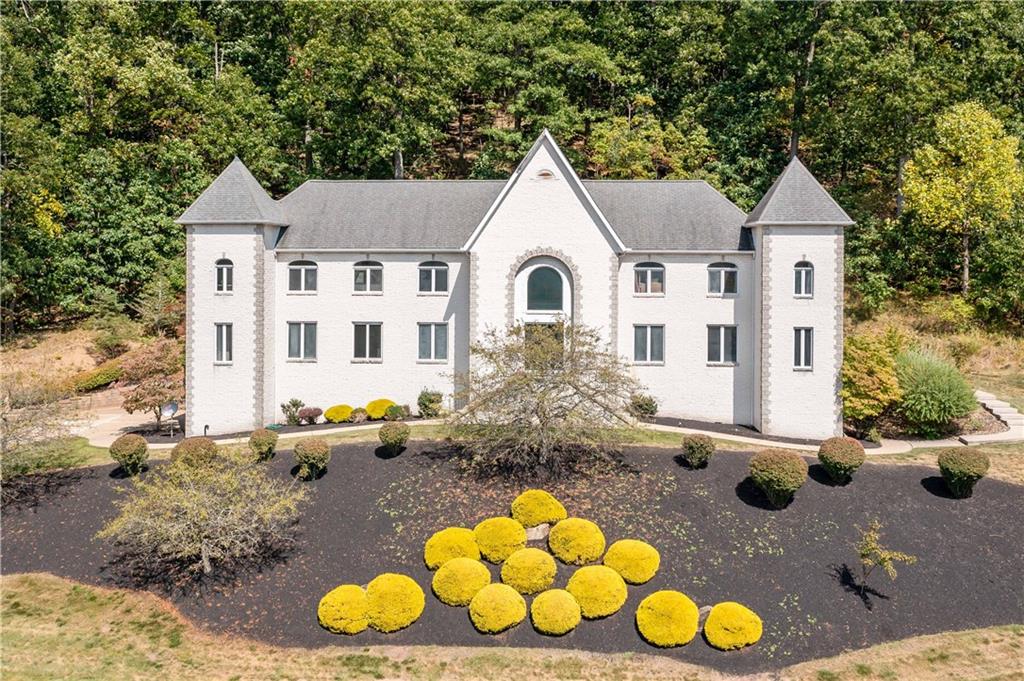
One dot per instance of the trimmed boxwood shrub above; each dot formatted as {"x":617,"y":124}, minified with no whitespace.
{"x":339,"y":413}
{"x":529,"y":570}
{"x":697,"y":450}
{"x":779,"y":473}
{"x":343,"y":610}
{"x":730,"y":626}
{"x":396,"y":412}
{"x":576,"y":541}
{"x":312,"y":454}
{"x":429,"y":403}
{"x":643,"y":406}
{"x":263,"y":443}
{"x":495,"y":608}
{"x":934,"y":393}
{"x":131,"y":452}
{"x":194,"y":451}
{"x":498,"y":538}
{"x":598,"y":589}
{"x":393,"y":602}
{"x":393,"y":435}
{"x":378,"y":408}
{"x":961,"y":468}
{"x":555,"y":612}
{"x":667,"y":619}
{"x":840,"y":457}
{"x":309,"y":415}
{"x":536,"y":507}
{"x":459,"y":579}
{"x":450,"y":543}
{"x":358,"y":415}
{"x":635,"y":560}
{"x":100,"y":377}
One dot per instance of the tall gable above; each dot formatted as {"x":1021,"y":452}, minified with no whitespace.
{"x":234,"y":197}
{"x":797,"y":198}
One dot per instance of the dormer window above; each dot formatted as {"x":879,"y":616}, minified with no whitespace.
{"x":302,"y":276}
{"x":722,"y":279}
{"x":649,"y":279}
{"x":369,"y":276}
{"x":433,"y":277}
{"x":225,"y":276}
{"x":803,"y":285}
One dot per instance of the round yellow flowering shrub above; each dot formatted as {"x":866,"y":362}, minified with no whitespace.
{"x":536,"y":507}
{"x":498,"y":538}
{"x":635,"y":560}
{"x":339,"y":413}
{"x":576,"y":541}
{"x":667,"y":619}
{"x":599,"y":590}
{"x":393,"y":602}
{"x":451,"y":542}
{"x":495,"y":608}
{"x":343,"y":610}
{"x":378,"y":408}
{"x":730,"y":626}
{"x":529,"y":570}
{"x":459,"y":579}
{"x":555,"y":612}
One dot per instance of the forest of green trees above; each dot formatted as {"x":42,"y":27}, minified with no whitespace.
{"x":117,"y":114}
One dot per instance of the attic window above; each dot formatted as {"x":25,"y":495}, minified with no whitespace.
{"x":545,"y":174}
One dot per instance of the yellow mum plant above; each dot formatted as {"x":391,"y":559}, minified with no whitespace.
{"x":555,"y":612}
{"x":393,"y":602}
{"x":529,"y":570}
{"x":459,"y":579}
{"x":599,"y":590}
{"x":378,"y":408}
{"x":576,"y":541}
{"x":498,"y":538}
{"x":451,"y":542}
{"x":730,"y":626}
{"x":667,"y":619}
{"x":343,"y":610}
{"x":635,"y":560}
{"x":536,"y":507}
{"x":495,"y":608}
{"x":339,"y":413}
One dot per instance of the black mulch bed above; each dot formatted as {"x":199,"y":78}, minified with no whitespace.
{"x":734,"y":429}
{"x":718,"y":541}
{"x":154,"y":437}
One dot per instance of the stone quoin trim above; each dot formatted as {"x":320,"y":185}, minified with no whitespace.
{"x":838,"y":337}
{"x":615,"y":263}
{"x":190,"y":332}
{"x":257,"y":329}
{"x":766,"y":327}
{"x":510,"y":288}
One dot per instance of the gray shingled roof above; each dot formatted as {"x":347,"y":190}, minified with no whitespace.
{"x":796,"y":197}
{"x":234,"y":197}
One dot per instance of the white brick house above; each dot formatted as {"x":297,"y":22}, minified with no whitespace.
{"x":346,"y":291}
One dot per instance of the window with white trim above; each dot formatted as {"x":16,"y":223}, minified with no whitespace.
{"x":433,"y":341}
{"x":223,"y":334}
{"x":225,"y":276}
{"x":302,"y":276}
{"x":433,"y":277}
{"x":648,"y":343}
{"x":803,"y":279}
{"x":722,"y":279}
{"x":368,"y":340}
{"x":803,"y":348}
{"x":302,"y":340}
{"x":369,"y":276}
{"x":649,"y":279}
{"x":721,"y":344}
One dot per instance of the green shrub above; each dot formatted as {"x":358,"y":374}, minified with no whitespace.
{"x":358,"y":415}
{"x":131,"y":452}
{"x":961,"y":468}
{"x":290,"y":409}
{"x":840,"y":457}
{"x":263,"y":442}
{"x":697,"y":450}
{"x":396,"y":412}
{"x":429,"y":403}
{"x":100,"y":377}
{"x":194,"y":451}
{"x":109,"y":344}
{"x":642,"y":405}
{"x":312,"y":454}
{"x":934,"y":393}
{"x":779,"y":473}
{"x":947,"y":314}
{"x":393,"y":435}
{"x":869,"y":379}
{"x":339,"y":413}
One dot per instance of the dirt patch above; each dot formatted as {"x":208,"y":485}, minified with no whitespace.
{"x":50,"y":355}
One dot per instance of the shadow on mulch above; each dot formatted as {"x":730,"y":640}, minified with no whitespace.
{"x":386,"y":453}
{"x":29,"y":491}
{"x":844,"y":575}
{"x":121,"y":474}
{"x":937,"y":486}
{"x":295,"y":473}
{"x":818,"y":474}
{"x":750,"y":494}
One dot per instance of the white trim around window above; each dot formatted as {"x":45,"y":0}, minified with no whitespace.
{"x":803,"y":280}
{"x":302,"y":276}
{"x":433,"y":278}
{"x":368,"y":278}
{"x":803,"y":348}
{"x":225,"y":276}
{"x":649,"y":344}
{"x":723,"y":279}
{"x":301,"y":341}
{"x":649,"y":280}
{"x":367,"y":342}
{"x":722,"y":345}
{"x":432,"y":342}
{"x":223,"y":334}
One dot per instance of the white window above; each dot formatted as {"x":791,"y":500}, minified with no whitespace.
{"x":223,"y":333}
{"x":803,"y":348}
{"x":302,"y":276}
{"x":369,"y":276}
{"x":225,"y":276}
{"x":721,"y":344}
{"x":301,"y":340}
{"x":803,"y":286}
{"x":433,"y":277}
{"x":649,"y":279}
{"x":722,"y":279}
{"x":433,"y":341}
{"x":648,"y":343}
{"x":367,"y":340}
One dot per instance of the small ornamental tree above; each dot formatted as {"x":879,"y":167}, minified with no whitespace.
{"x":155,"y":375}
{"x":872,"y":554}
{"x":541,"y":403}
{"x":870,"y":384}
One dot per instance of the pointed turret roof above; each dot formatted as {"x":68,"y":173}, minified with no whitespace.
{"x":234,"y":197}
{"x":797,"y":198}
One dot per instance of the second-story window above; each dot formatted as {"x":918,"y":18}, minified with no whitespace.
{"x":722,"y":279}
{"x":302,"y":276}
{"x":649,"y":278}
{"x":225,"y":276}
{"x":433,"y":277}
{"x":369,"y":276}
{"x":803,"y":273}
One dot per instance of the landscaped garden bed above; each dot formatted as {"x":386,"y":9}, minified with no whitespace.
{"x":717,"y":537}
